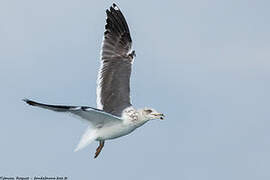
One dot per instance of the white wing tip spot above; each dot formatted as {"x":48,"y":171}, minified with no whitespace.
{"x":115,"y":7}
{"x":76,"y":108}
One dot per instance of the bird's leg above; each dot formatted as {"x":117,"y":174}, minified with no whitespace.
{"x":101,"y":145}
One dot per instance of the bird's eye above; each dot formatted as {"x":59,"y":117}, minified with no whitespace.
{"x":148,"y":111}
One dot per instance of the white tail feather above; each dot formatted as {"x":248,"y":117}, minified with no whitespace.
{"x":88,"y":137}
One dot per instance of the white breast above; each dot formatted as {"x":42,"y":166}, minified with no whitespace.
{"x":115,"y":131}
{"x":130,"y":121}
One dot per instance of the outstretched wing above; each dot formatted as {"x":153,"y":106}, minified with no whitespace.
{"x":95,"y":116}
{"x":113,"y":91}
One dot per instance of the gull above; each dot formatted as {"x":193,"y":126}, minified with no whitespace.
{"x":114,"y":116}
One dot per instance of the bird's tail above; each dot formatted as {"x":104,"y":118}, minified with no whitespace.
{"x":88,"y":137}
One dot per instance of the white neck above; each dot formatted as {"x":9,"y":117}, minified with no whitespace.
{"x":131,"y":115}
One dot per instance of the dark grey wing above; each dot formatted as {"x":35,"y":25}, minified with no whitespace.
{"x":113,"y":91}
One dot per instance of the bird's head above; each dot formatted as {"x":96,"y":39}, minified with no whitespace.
{"x":149,"y":114}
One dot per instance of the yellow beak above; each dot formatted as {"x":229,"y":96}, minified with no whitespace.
{"x":161,"y":116}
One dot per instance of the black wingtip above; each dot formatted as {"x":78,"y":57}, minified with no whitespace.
{"x":28,"y":101}
{"x":115,"y":7}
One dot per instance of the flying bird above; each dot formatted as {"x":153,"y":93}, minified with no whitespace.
{"x":114,"y":116}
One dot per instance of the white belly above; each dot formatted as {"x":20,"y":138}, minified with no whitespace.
{"x":114,"y":131}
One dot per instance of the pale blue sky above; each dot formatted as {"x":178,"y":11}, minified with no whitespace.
{"x":205,"y":64}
